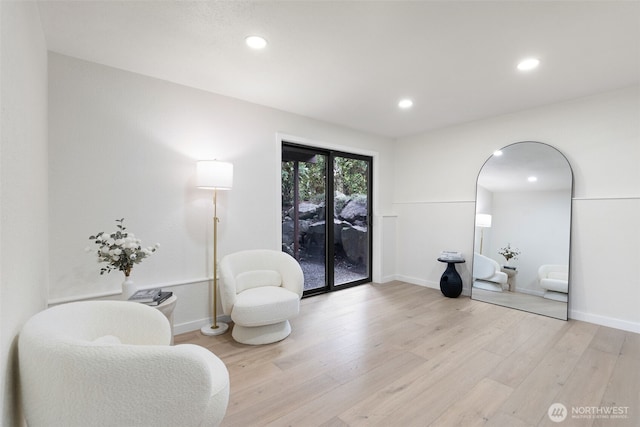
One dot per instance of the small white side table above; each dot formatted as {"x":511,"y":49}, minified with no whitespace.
{"x":167,"y":308}
{"x":511,"y":277}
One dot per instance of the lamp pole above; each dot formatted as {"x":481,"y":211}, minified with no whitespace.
{"x":215,"y":175}
{"x":215,"y":328}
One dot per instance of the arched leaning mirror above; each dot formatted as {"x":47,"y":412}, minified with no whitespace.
{"x":523,"y":229}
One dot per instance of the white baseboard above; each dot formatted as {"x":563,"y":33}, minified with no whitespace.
{"x":418,"y":281}
{"x":389,"y":278}
{"x":428,"y":283}
{"x":605,"y":321}
{"x":195,"y":325}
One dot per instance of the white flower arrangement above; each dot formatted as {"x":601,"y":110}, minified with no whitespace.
{"x":508,"y":252}
{"x":121,"y":250}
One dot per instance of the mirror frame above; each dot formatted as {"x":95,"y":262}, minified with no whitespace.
{"x":475,"y":227}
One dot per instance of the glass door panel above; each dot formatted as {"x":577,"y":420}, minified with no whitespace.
{"x":303,"y":213}
{"x":351,"y":220}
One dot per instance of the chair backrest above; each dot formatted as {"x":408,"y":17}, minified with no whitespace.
{"x":87,"y":321}
{"x":254,"y":268}
{"x":554,"y":271}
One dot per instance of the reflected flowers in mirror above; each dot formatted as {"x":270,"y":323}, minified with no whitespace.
{"x":509,"y":253}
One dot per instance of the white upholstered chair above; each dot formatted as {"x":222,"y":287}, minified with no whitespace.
{"x":260,"y":289}
{"x":109,"y":363}
{"x":554,"y":279}
{"x":487,"y":274}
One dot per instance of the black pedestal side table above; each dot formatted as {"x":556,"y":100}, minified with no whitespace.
{"x":451,"y":282}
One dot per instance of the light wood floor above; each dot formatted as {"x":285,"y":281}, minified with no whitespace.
{"x":404,"y":355}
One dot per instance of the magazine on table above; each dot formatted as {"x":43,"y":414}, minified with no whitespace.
{"x":451,"y":256}
{"x":146,"y":295}
{"x":160,"y":298}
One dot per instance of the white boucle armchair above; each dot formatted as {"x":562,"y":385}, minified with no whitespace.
{"x":109,"y":363}
{"x":260,"y":289}
{"x":554,"y":279}
{"x":487,"y":274}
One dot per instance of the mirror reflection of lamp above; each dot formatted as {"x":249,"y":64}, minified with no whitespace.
{"x":214,"y":175}
{"x":483,"y":221}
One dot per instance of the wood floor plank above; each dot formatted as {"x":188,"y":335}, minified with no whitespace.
{"x":435,"y":399}
{"x":584,"y":387}
{"x":623,"y":392}
{"x":334,"y":422}
{"x":521,"y":362}
{"x":500,"y":419}
{"x":273,"y":399}
{"x":520,"y":331}
{"x":397,"y":401}
{"x":608,"y":340}
{"x":530,"y":401}
{"x":403,"y":355}
{"x":476,"y":407}
{"x":351,"y":392}
{"x":631,"y":346}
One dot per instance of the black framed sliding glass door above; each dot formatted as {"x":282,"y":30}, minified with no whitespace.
{"x":329,"y":236}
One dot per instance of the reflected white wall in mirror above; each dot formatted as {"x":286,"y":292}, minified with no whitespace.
{"x":532,"y":217}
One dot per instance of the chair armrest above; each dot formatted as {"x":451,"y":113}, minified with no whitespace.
{"x":292,"y":275}
{"x":498,"y":277}
{"x":157,"y":385}
{"x":227,"y":287}
{"x":555,"y":285}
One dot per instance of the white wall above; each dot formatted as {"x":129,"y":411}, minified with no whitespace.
{"x":125,"y":145}
{"x":538,"y":224}
{"x":23,"y":187}
{"x":600,"y":136}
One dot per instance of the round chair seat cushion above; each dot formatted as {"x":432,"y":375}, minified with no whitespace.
{"x":264,"y":306}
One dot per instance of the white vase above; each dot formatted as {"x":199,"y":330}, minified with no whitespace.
{"x":128,"y":287}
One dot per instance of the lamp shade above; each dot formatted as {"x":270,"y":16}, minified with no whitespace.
{"x":483,"y":220}
{"x":214,"y":175}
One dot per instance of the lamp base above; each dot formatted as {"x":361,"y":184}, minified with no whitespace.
{"x":210,"y":331}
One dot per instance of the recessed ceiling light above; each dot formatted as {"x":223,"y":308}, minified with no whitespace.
{"x":256,"y":42}
{"x":405,"y":103}
{"x":497,"y":153}
{"x":532,"y":179}
{"x":528,"y":64}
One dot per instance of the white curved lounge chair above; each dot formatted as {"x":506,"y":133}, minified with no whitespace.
{"x":487,"y":274}
{"x":109,"y":363}
{"x":260,"y":289}
{"x":554,"y":279}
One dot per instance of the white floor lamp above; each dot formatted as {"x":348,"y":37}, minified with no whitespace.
{"x":215,"y":175}
{"x":482,"y":221}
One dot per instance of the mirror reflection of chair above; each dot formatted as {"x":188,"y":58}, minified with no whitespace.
{"x":96,"y":363}
{"x":487,"y":274}
{"x":261,"y":290}
{"x":554,"y":279}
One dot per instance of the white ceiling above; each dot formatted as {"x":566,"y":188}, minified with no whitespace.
{"x":350,"y":62}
